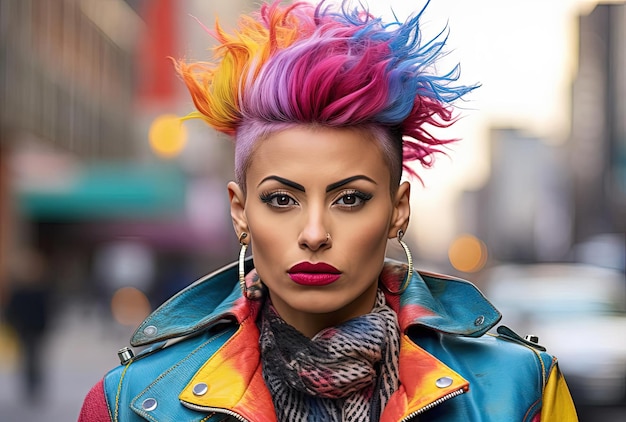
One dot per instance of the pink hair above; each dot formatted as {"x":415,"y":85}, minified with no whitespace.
{"x":328,"y":66}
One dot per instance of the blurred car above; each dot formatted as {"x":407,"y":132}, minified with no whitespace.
{"x":578,"y":312}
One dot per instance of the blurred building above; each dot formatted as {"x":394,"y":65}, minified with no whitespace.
{"x":66,"y":75}
{"x":568,"y":202}
{"x":81,"y":84}
{"x":598,"y":133}
{"x":523,"y":214}
{"x":65,"y":95}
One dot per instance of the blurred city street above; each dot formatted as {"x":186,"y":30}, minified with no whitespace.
{"x":109,"y":204}
{"x":79,"y":349}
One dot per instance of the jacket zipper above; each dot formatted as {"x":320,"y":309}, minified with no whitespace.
{"x":214,"y":410}
{"x":434,"y":404}
{"x":242,"y":419}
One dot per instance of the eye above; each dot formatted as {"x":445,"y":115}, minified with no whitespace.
{"x":278,"y":200}
{"x":352,"y":199}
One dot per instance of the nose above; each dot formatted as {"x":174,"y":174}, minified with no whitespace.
{"x":314,"y":234}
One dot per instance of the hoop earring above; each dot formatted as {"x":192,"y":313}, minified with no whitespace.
{"x":409,"y":272}
{"x":257,"y":289}
{"x":242,"y":271}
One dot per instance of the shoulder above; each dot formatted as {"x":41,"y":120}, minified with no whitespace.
{"x":179,"y":337}
{"x":494,"y":359}
{"x":160,"y":372}
{"x":500,"y":370}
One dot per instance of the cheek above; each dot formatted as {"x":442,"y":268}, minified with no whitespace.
{"x":261,"y":231}
{"x":269,"y":239}
{"x":371,"y":224}
{"x":367,"y":236}
{"x":372,"y":237}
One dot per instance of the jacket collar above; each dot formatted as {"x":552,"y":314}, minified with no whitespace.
{"x":431,"y":300}
{"x":213,"y":299}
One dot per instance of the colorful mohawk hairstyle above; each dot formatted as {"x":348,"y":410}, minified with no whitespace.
{"x":334,"y":66}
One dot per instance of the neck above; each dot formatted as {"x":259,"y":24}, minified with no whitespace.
{"x":311,"y":324}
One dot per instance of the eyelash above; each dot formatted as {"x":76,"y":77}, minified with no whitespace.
{"x":269,"y":197}
{"x":362,"y":196}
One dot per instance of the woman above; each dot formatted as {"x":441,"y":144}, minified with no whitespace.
{"x":326,"y":106}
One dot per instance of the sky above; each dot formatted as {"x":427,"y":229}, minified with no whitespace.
{"x":523,"y":53}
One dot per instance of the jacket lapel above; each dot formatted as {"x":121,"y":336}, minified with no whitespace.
{"x":234,"y":380}
{"x":424,"y":380}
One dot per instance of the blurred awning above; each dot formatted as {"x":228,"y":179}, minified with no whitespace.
{"x":107,"y":191}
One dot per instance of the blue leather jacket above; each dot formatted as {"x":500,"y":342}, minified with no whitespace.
{"x":203,"y":360}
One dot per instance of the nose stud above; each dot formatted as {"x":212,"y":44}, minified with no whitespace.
{"x":328,"y":238}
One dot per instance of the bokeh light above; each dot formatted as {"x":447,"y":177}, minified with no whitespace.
{"x":167,"y":135}
{"x":467,"y":253}
{"x":129,"y":306}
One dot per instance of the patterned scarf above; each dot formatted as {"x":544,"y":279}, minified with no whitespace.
{"x":344,"y":373}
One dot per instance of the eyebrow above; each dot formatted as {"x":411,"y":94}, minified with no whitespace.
{"x":329,"y":188}
{"x":284,"y":181}
{"x":347,"y":180}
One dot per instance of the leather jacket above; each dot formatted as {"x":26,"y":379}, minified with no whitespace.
{"x":203,"y":363}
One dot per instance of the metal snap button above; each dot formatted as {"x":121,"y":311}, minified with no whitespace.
{"x":200,"y":389}
{"x":443,"y":382}
{"x":479,"y":321}
{"x":149,"y":404}
{"x":150,"y":331}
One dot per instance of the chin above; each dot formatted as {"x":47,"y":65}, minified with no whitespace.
{"x":329,"y":302}
{"x":317,"y":305}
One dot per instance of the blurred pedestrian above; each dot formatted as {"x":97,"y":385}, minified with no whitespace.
{"x":28,"y":312}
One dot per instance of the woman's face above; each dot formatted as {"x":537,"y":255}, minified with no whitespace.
{"x":304,"y":184}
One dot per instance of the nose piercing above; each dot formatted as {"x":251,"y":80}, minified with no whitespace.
{"x":328,"y":238}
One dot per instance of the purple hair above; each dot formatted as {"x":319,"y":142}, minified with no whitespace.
{"x":327,"y":66}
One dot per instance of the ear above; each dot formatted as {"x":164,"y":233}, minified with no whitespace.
{"x":237,"y":208}
{"x":401,"y":210}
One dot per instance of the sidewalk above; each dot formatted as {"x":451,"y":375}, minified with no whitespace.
{"x":79,"y":349}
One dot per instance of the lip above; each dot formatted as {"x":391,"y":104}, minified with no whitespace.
{"x":309,"y":274}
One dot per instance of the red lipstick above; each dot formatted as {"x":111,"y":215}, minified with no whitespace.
{"x":309,"y":274}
